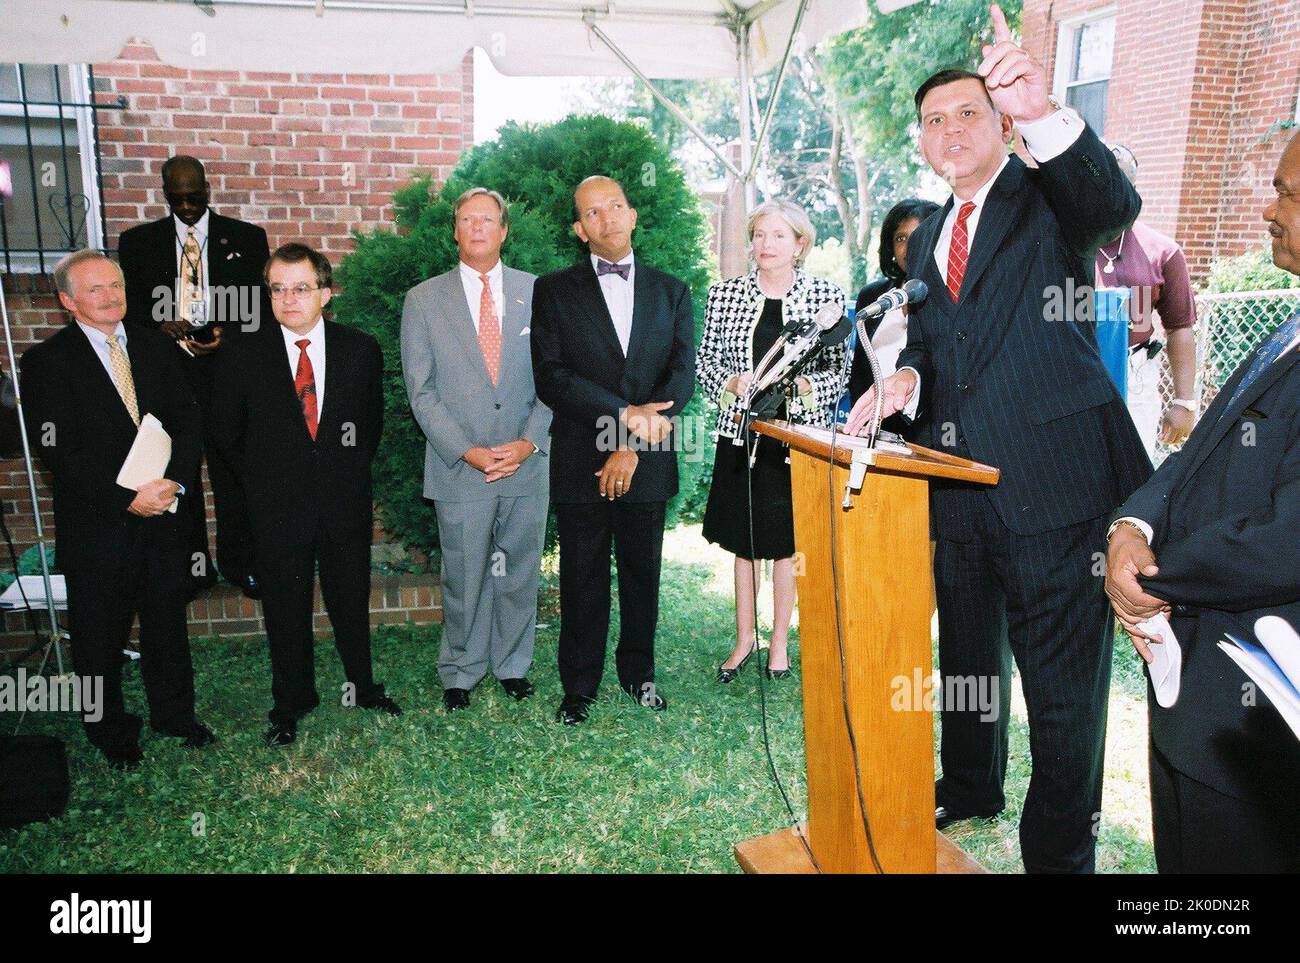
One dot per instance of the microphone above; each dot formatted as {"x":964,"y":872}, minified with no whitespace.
{"x":913,"y":292}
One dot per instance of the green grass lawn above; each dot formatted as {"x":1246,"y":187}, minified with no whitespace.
{"x":500,"y":787}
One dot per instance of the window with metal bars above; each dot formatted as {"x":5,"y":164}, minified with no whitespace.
{"x":50,"y":187}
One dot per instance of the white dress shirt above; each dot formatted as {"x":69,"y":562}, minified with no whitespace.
{"x":889,"y":340}
{"x":620,"y":296}
{"x":473,"y":285}
{"x":315,"y":353}
{"x":1045,"y":138}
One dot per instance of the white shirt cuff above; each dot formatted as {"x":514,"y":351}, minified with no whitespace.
{"x":1051,"y":136}
{"x":914,"y":402}
{"x":1147,"y":531}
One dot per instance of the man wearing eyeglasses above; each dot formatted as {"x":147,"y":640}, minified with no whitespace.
{"x":85,"y":391}
{"x":299,"y":409}
{"x":198,"y":276}
{"x":468,"y":368}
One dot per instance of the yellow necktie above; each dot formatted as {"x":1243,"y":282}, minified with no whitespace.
{"x":121,"y":365}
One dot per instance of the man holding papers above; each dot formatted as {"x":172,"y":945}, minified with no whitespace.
{"x":85,"y":392}
{"x":1211,"y":543}
{"x":299,"y":410}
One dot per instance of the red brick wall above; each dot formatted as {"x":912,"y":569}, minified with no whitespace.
{"x":1195,"y":86}
{"x":308,"y":156}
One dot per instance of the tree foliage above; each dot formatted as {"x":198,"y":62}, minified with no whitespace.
{"x":536,"y":167}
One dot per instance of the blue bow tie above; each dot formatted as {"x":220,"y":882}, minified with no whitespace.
{"x":604,"y":267}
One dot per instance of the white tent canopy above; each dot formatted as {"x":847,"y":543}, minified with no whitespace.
{"x":664,"y":38}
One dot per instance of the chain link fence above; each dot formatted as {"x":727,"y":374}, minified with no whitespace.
{"x":1228,"y":327}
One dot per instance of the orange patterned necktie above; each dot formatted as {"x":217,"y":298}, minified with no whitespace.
{"x":489,"y":330}
{"x":304,"y":385}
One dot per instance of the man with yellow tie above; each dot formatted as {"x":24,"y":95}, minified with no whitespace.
{"x":85,"y":390}
{"x":466,"y":360}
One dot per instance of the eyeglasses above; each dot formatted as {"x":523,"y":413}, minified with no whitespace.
{"x":278,"y":291}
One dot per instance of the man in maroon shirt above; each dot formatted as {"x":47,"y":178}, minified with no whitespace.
{"x":1152,"y":267}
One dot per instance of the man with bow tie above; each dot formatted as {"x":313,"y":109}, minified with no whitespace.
{"x":469,"y":377}
{"x":613,"y":344}
{"x":1213,"y":541}
{"x":299,"y":411}
{"x":197,"y":276}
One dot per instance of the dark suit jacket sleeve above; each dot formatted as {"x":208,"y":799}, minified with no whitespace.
{"x":678,"y":381}
{"x":182,"y":419}
{"x":1092,"y":199}
{"x":374,"y":396}
{"x":1232,"y":563}
{"x":1148,"y":502}
{"x":51,"y":416}
{"x":227,"y":414}
{"x":558,"y":384}
{"x":134,"y":261}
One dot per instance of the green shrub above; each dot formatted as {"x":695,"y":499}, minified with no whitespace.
{"x":1238,"y":324}
{"x":536,"y":167}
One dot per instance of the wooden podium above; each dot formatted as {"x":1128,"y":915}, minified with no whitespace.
{"x":880,"y":547}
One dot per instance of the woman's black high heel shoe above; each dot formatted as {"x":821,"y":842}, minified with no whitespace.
{"x":726,"y":675}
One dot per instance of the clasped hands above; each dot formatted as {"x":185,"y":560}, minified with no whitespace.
{"x":154,"y":498}
{"x":178,"y":329}
{"x":1128,"y":556}
{"x":499,"y":461}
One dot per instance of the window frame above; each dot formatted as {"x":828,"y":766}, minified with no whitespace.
{"x":1067,"y":33}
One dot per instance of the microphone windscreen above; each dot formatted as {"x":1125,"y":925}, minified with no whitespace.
{"x":838,"y":333}
{"x":828,"y":316}
{"x":917,"y":291}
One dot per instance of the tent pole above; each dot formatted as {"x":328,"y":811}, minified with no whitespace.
{"x":659,"y":96}
{"x":761,"y":139}
{"x":746,"y":119}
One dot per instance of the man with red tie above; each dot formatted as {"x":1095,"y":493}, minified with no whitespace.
{"x":301,"y":411}
{"x":1015,"y":381}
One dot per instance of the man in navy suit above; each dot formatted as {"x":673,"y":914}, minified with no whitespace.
{"x":1212,"y":540}
{"x":1016,"y":381}
{"x":614,"y":358}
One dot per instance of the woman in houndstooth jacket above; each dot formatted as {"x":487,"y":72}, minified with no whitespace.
{"x":742,"y":320}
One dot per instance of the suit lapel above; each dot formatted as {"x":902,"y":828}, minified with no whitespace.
{"x":1225,"y":417}
{"x":594,"y":299}
{"x":929,"y":272}
{"x":100,"y":382}
{"x":338,"y":373}
{"x":279,"y":372}
{"x":516,"y":348}
{"x":642,"y":293}
{"x":995,"y":221}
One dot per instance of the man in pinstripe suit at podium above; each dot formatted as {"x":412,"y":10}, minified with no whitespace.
{"x":1015,"y":382}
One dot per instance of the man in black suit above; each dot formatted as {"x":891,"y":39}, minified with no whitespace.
{"x":298,"y":410}
{"x":1212,"y":540}
{"x":85,"y":390}
{"x":198,"y":275}
{"x":1015,"y":384}
{"x":614,"y":358}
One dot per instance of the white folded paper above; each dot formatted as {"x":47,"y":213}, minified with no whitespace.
{"x":1261,"y":664}
{"x":33,"y":586}
{"x":148,"y":458}
{"x":1166,"y":666}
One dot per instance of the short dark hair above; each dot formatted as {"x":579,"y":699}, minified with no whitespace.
{"x":184,"y":160}
{"x":944,"y":77}
{"x":905,"y":210}
{"x":294,"y":253}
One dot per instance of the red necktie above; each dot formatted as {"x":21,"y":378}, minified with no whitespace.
{"x":489,"y":330}
{"x":959,"y":250}
{"x":304,"y":385}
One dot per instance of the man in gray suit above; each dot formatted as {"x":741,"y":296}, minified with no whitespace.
{"x":468,"y":369}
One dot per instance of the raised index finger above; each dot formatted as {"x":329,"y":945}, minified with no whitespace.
{"x":1001,"y":31}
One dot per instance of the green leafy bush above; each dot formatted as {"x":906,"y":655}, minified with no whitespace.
{"x":536,"y":167}
{"x":1238,"y":324}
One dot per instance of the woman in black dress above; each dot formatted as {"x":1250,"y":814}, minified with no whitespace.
{"x":743,"y":319}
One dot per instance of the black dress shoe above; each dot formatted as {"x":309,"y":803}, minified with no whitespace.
{"x":647,"y":695}
{"x":383,"y":703}
{"x":518,"y":689}
{"x":943,"y":817}
{"x":124,"y":759}
{"x":194,"y":736}
{"x":573,"y":709}
{"x":726,"y":675}
{"x":776,"y":675}
{"x":251,"y":587}
{"x":281,"y":733}
{"x":454,"y":699}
